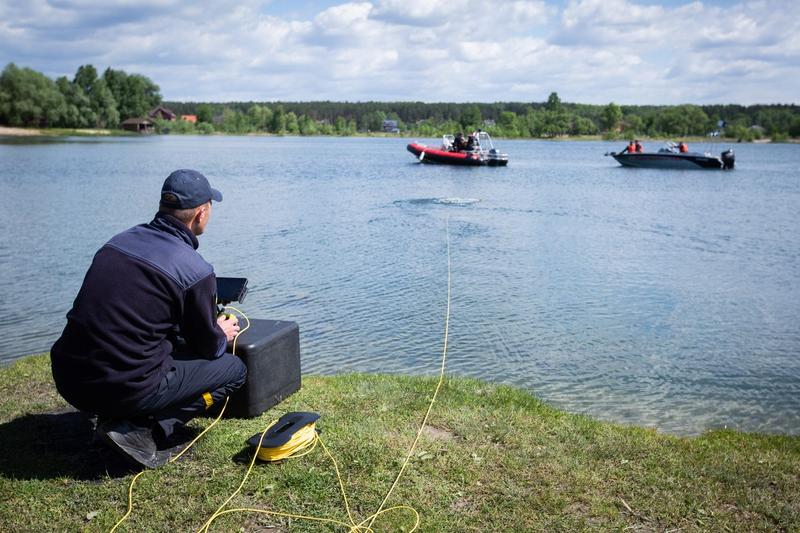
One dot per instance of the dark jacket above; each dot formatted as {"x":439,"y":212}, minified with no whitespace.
{"x":142,"y":285}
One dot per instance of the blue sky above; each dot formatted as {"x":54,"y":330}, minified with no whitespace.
{"x":589,"y":51}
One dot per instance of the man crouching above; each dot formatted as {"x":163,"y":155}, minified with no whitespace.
{"x":148,"y":291}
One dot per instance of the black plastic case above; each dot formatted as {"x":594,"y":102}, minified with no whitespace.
{"x":271,"y":351}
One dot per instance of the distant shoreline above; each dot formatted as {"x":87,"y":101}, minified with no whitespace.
{"x":7,"y":131}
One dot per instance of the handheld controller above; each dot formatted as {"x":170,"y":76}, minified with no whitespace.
{"x":230,"y":290}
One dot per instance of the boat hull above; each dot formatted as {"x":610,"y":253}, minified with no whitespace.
{"x":428,"y":154}
{"x":689,"y":161}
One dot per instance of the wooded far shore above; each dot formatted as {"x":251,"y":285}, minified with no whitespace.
{"x":118,"y":100}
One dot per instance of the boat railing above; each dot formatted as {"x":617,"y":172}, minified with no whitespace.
{"x":447,"y":142}
{"x":484,"y":141}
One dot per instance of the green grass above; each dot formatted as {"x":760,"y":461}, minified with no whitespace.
{"x":496,"y":459}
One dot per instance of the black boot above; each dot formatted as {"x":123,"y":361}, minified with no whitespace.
{"x":135,"y":443}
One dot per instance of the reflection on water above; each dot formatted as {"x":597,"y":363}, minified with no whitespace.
{"x":655,"y":297}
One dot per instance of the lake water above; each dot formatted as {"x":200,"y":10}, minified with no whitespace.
{"x":669,"y":299}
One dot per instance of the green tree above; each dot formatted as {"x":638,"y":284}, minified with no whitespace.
{"x":100,"y":96}
{"x":205,"y":113}
{"x":85,"y":78}
{"x":234,"y":121}
{"x":776,"y":121}
{"x":507,"y":124}
{"x":78,"y":111}
{"x":611,"y":118}
{"x":583,"y":126}
{"x":471,"y":117}
{"x":278,"y":121}
{"x":633,"y":124}
{"x":341,"y":126}
{"x":104,"y":106}
{"x":307,"y":125}
{"x":292,"y":128}
{"x":683,"y":120}
{"x":532,"y":122}
{"x":555,"y":119}
{"x":205,"y":128}
{"x":373,"y":121}
{"x":29,"y":98}
{"x":134,"y":94}
{"x":794,"y":127}
{"x":260,"y":117}
{"x":553,"y":103}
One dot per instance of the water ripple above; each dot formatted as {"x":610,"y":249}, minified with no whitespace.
{"x":636,"y":296}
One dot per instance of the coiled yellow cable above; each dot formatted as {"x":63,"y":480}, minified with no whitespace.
{"x":176,"y":457}
{"x":306,"y":439}
{"x":303,"y":439}
{"x":353,"y":527}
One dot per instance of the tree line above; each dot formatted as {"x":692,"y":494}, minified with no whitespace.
{"x":29,"y":98}
{"x":549,"y":119}
{"x":88,"y":100}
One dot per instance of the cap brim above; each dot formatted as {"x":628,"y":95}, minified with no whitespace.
{"x":216,"y":195}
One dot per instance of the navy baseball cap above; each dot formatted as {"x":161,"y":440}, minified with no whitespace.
{"x":184,"y":189}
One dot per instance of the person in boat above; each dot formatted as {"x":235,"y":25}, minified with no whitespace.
{"x":146,"y":293}
{"x":459,"y":144}
{"x":470,"y":143}
{"x":683,"y":147}
{"x":638,"y":147}
{"x":631,"y":148}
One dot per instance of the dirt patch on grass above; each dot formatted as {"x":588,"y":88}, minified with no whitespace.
{"x":263,"y":524}
{"x":438,"y":433}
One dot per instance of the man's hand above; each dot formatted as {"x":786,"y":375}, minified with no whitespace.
{"x":229,"y":325}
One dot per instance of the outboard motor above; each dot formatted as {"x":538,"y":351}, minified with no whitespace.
{"x":728,"y":159}
{"x":496,"y":159}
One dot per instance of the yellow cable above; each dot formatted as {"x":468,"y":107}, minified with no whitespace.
{"x":438,"y":385}
{"x":130,"y":502}
{"x":273,"y":453}
{"x":172,"y":460}
{"x":236,"y":338}
{"x":175,"y":458}
{"x":306,"y":439}
{"x":308,"y":436}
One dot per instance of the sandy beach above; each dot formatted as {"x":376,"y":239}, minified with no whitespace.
{"x":18,"y":132}
{"x":53,"y":132}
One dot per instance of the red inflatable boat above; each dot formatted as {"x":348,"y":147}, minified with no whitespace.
{"x":480,"y":151}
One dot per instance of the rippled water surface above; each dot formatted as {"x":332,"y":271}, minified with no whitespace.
{"x":662,"y":298}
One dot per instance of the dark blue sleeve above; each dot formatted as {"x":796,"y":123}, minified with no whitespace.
{"x":199,"y":325}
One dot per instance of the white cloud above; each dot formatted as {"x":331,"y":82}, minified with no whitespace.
{"x":591,"y":51}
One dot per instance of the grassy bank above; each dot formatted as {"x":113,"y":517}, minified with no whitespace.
{"x":494,"y":459}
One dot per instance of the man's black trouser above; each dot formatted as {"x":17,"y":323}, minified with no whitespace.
{"x":190,"y":388}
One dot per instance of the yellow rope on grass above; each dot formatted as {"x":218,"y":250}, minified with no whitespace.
{"x":172,"y":460}
{"x":176,"y":457}
{"x":306,"y":439}
{"x":308,"y":436}
{"x":435,"y":392}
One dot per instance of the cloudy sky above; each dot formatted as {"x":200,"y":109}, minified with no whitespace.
{"x":589,"y":51}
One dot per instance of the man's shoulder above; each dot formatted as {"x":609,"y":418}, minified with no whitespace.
{"x":162,"y":252}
